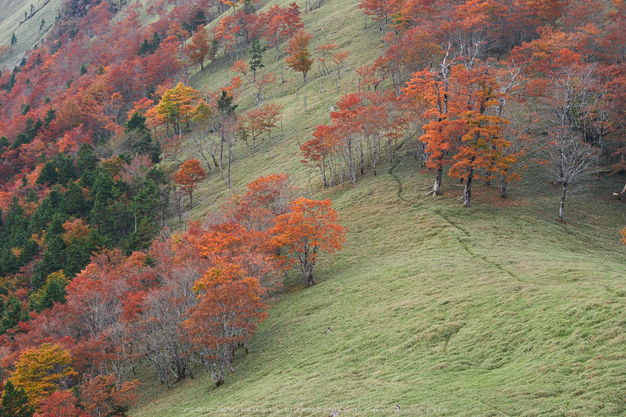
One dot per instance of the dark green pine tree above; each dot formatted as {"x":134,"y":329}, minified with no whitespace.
{"x":54,"y":256}
{"x":15,"y":402}
{"x":140,"y":138}
{"x":256,"y":61}
{"x":87,"y":164}
{"x":145,"y":209}
{"x":249,"y":7}
{"x":158,"y":176}
{"x":9,"y":86}
{"x":51,"y":114}
{"x":16,"y":225}
{"x":78,"y":254}
{"x":52,"y":292}
{"x":48,"y":174}
{"x":112,"y":212}
{"x":74,"y":201}
{"x":12,"y":314}
{"x":29,"y":251}
{"x":4,"y":144}
{"x":66,"y":169}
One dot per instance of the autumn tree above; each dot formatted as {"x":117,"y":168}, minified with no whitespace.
{"x":190,"y":174}
{"x":267,"y":198}
{"x":339,"y":59}
{"x":199,"y":47}
{"x":40,"y":372}
{"x":325,"y":50}
{"x":444,"y":128}
{"x":318,"y":150}
{"x":379,"y":9}
{"x":299,"y":57}
{"x":309,"y":227}
{"x":230,"y":307}
{"x":162,"y":310}
{"x":176,"y":107}
{"x":257,"y":121}
{"x":241,"y":67}
{"x":260,"y":85}
{"x":61,"y":403}
{"x":482,"y":144}
{"x":103,"y":396}
{"x":281,"y":25}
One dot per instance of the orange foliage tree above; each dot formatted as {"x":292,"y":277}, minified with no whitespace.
{"x":102,"y":396}
{"x":199,"y":47}
{"x":299,"y":56}
{"x":309,"y":227}
{"x":40,"y":372}
{"x":226,"y":316}
{"x":189,"y":175}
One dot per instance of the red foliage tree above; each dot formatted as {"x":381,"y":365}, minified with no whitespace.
{"x":309,"y":227}
{"x":230,"y":307}
{"x":281,"y":24}
{"x":199,"y":47}
{"x":61,"y":403}
{"x":190,"y":174}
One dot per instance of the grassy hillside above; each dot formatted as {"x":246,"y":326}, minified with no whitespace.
{"x":27,"y":28}
{"x":494,"y":310}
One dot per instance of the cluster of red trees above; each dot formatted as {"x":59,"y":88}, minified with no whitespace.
{"x":558,"y":93}
{"x":191,"y":298}
{"x":365,"y":129}
{"x":277,"y":25}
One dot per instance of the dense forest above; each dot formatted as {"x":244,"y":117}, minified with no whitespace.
{"x":99,"y":271}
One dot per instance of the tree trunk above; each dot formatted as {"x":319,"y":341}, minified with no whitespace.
{"x":503,"y":185}
{"x":222,"y":151}
{"x":218,"y":375}
{"x":467,"y":192}
{"x":437,"y":186}
{"x":308,"y":274}
{"x":562,"y":206}
{"x":229,"y":161}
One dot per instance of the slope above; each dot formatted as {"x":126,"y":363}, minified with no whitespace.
{"x":494,"y":310}
{"x":30,"y":21}
{"x":485,"y":311}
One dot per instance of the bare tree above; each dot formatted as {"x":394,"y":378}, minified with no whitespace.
{"x":570,"y":159}
{"x":161,"y":336}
